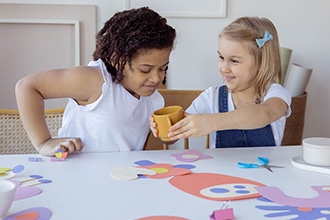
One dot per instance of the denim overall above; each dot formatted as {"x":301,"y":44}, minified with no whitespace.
{"x":241,"y":138}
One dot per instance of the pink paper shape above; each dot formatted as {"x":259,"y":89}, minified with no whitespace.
{"x":190,"y":156}
{"x":222,"y":214}
{"x":55,"y":159}
{"x":37,"y":213}
{"x":23,"y":192}
{"x":322,"y":200}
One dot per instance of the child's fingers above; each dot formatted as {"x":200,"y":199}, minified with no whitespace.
{"x":153,"y":128}
{"x":72,"y":145}
{"x":151,"y":118}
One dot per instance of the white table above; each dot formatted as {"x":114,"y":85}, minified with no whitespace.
{"x":83,"y":189}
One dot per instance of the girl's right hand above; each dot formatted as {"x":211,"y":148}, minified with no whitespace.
{"x":51,"y":146}
{"x":153,"y":126}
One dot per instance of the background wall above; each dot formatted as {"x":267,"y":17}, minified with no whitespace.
{"x":303,"y":26}
{"x":35,"y":37}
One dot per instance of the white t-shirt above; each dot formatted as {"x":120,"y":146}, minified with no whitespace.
{"x":207,"y":103}
{"x":116,"y":121}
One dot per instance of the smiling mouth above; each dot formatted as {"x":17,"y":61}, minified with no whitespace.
{"x":228,"y":78}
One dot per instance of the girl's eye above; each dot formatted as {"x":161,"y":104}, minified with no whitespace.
{"x":145,"y":71}
{"x":234,"y":61}
{"x":221,"y":58}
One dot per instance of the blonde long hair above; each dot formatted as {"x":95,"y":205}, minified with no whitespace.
{"x":267,"y":58}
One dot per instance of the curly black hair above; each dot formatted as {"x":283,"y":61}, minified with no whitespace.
{"x":126,"y":33}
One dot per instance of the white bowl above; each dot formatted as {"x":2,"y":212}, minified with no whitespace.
{"x":316,"y":151}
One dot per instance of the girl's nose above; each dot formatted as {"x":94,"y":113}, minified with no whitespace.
{"x":155,"y":77}
{"x":224,"y":68}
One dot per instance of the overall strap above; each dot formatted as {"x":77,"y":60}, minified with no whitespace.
{"x":241,"y":138}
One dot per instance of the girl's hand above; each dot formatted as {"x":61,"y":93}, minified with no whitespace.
{"x":70,"y":145}
{"x":153,"y":126}
{"x":191,"y":126}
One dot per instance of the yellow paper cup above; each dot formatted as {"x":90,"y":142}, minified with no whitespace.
{"x":165,"y":118}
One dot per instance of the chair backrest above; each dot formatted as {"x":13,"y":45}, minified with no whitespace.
{"x":13,"y":137}
{"x":172,"y":97}
{"x":294,"y":127}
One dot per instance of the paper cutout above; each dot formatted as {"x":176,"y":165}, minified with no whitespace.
{"x":28,"y":215}
{"x":159,"y":168}
{"x":144,"y":163}
{"x":217,"y":187}
{"x":185,"y":166}
{"x":129,"y":173}
{"x":37,"y":213}
{"x":39,"y":182}
{"x":190,"y":156}
{"x":17,"y":169}
{"x":149,"y":169}
{"x":23,"y":192}
{"x":300,"y":213}
{"x":36,"y":176}
{"x":4,"y":170}
{"x":44,"y":181}
{"x":30,"y":178}
{"x":54,"y":159}
{"x":35,"y":159}
{"x":322,"y":200}
{"x":222,"y":214}
{"x":165,"y":171}
{"x":162,"y":218}
{"x":148,"y":163}
{"x":60,"y":155}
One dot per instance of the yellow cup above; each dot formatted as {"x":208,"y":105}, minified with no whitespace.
{"x":165,"y":118}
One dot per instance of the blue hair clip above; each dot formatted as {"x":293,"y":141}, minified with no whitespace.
{"x":261,"y":41}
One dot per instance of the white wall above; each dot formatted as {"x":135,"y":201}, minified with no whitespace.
{"x":303,"y":26}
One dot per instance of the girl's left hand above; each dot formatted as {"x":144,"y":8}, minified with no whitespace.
{"x":196,"y":125}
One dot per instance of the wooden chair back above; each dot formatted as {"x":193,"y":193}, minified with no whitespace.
{"x":294,"y":127}
{"x":13,"y":137}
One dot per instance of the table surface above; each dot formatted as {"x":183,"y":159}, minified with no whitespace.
{"x":82,"y":187}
